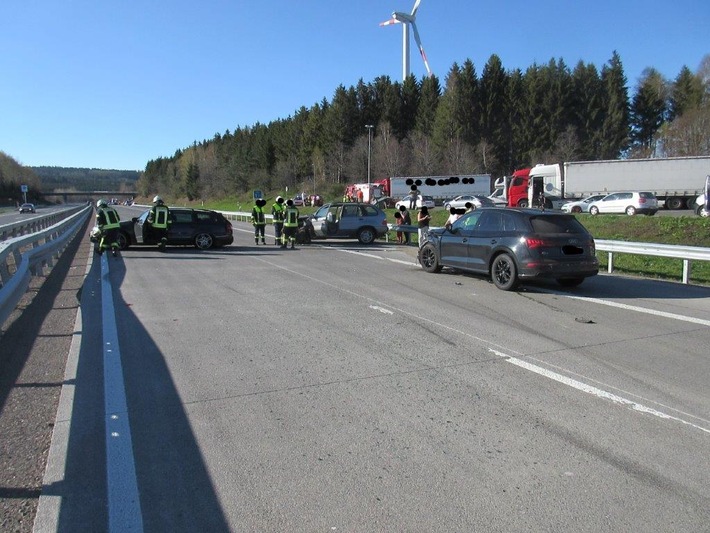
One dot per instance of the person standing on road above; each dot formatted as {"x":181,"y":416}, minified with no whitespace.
{"x":423,"y":218}
{"x":290,"y":225}
{"x":159,"y":218}
{"x":108,"y":221}
{"x":258,"y":220}
{"x":277,"y":211}
{"x":406,"y":221}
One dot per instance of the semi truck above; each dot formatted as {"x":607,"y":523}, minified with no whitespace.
{"x":438,"y":187}
{"x":675,"y":181}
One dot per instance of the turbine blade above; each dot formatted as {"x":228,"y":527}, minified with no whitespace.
{"x":414,"y":9}
{"x":421,"y":48}
{"x":389,"y":22}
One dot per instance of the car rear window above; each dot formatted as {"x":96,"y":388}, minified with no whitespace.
{"x":557,"y":224}
{"x":647,"y":195}
{"x":184,"y":217}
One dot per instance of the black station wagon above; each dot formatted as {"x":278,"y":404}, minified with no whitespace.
{"x":201,"y":228}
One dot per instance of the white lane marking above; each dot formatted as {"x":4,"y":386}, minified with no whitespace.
{"x":523,"y":364}
{"x":594,"y":391}
{"x":628,"y":307}
{"x":381,"y":310}
{"x":124,"y":507}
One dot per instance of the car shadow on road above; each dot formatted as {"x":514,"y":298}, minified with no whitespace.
{"x":176,"y":492}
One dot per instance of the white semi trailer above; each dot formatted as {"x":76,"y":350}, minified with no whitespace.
{"x":677,"y":181}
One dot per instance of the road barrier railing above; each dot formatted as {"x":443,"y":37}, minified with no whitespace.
{"x":685,"y":253}
{"x":35,"y":223}
{"x":26,"y":256}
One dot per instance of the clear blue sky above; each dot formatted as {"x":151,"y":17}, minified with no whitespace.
{"x":90,"y":83}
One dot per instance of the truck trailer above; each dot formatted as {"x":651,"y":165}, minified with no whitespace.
{"x":676,"y":181}
{"x":438,"y":187}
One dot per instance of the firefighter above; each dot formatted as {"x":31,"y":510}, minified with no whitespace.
{"x":277,"y":211}
{"x":290,"y":225}
{"x":258,"y":220}
{"x":107,"y":220}
{"x":159,"y":218}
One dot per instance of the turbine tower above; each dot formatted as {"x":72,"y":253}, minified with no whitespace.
{"x":407,"y":20}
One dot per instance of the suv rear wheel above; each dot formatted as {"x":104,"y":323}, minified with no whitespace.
{"x":504,"y":272}
{"x":203,"y":241}
{"x":366,"y":235}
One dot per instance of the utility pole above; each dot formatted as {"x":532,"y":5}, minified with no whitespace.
{"x":369,"y":151}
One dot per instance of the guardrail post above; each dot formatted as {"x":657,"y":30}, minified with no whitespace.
{"x":686,"y":271}
{"x":610,"y":263}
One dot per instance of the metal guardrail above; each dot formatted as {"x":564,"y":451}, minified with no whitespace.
{"x":35,"y":223}
{"x":27,"y":255}
{"x":686,"y":253}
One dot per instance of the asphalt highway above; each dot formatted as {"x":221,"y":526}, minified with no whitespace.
{"x":339,"y":387}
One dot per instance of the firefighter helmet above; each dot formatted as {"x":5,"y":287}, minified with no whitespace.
{"x":100,"y":202}
{"x":157,"y":200}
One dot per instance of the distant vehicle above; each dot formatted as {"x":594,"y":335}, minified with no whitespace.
{"x":512,"y":245}
{"x":299,"y":201}
{"x":699,"y":206}
{"x":631,"y":203}
{"x":581,"y":206}
{"x":426,"y":201}
{"x":498,"y":197}
{"x":349,"y":220}
{"x":476,"y":201}
{"x":674,"y":181}
{"x":314,"y":200}
{"x":200,"y":228}
{"x":27,"y":208}
{"x":439,"y":188}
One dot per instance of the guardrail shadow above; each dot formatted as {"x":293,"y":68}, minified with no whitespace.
{"x":176,"y":492}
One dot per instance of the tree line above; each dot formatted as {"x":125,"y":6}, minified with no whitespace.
{"x":491,"y":123}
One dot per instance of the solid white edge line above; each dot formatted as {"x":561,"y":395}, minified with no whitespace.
{"x":594,"y":391}
{"x":124,"y":510}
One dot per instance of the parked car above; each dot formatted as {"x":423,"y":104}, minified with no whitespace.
{"x":349,"y":220}
{"x":201,"y":228}
{"x":476,"y":201}
{"x":513,"y":245}
{"x":631,"y":203}
{"x":581,"y":206}
{"x":314,"y":200}
{"x":27,"y":208}
{"x":427,"y":201}
{"x":299,"y":200}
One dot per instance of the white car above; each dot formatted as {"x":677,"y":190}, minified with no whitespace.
{"x":581,"y":206}
{"x":426,"y":201}
{"x":498,"y":198}
{"x":475,"y":200}
{"x":631,"y":203}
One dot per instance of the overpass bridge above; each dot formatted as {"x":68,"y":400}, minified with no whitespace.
{"x":88,"y":195}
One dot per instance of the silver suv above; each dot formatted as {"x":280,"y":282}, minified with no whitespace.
{"x":631,"y":203}
{"x":349,"y":220}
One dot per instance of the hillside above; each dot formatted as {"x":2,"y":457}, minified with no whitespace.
{"x":86,"y":179}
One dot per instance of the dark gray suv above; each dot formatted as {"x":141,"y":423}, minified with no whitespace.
{"x":511,"y":245}
{"x":349,"y":220}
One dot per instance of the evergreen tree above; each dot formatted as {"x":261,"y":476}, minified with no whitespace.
{"x":467,"y":104}
{"x":429,"y":101}
{"x":648,"y":110}
{"x":615,"y":126}
{"x":495,"y":129}
{"x":686,"y":93}
{"x":587,"y":111}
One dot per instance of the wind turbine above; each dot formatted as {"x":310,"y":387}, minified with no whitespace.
{"x":408,"y":20}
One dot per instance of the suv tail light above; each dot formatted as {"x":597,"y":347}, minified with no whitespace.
{"x":533,"y":243}
{"x":642,"y":200}
{"x":229,"y":227}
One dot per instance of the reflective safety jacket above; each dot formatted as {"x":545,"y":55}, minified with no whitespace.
{"x":277,"y":210}
{"x":158,"y":217}
{"x":257,"y":216}
{"x":291,"y":217}
{"x":107,"y":218}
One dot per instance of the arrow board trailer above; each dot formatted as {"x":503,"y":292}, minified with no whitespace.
{"x":441,"y":187}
